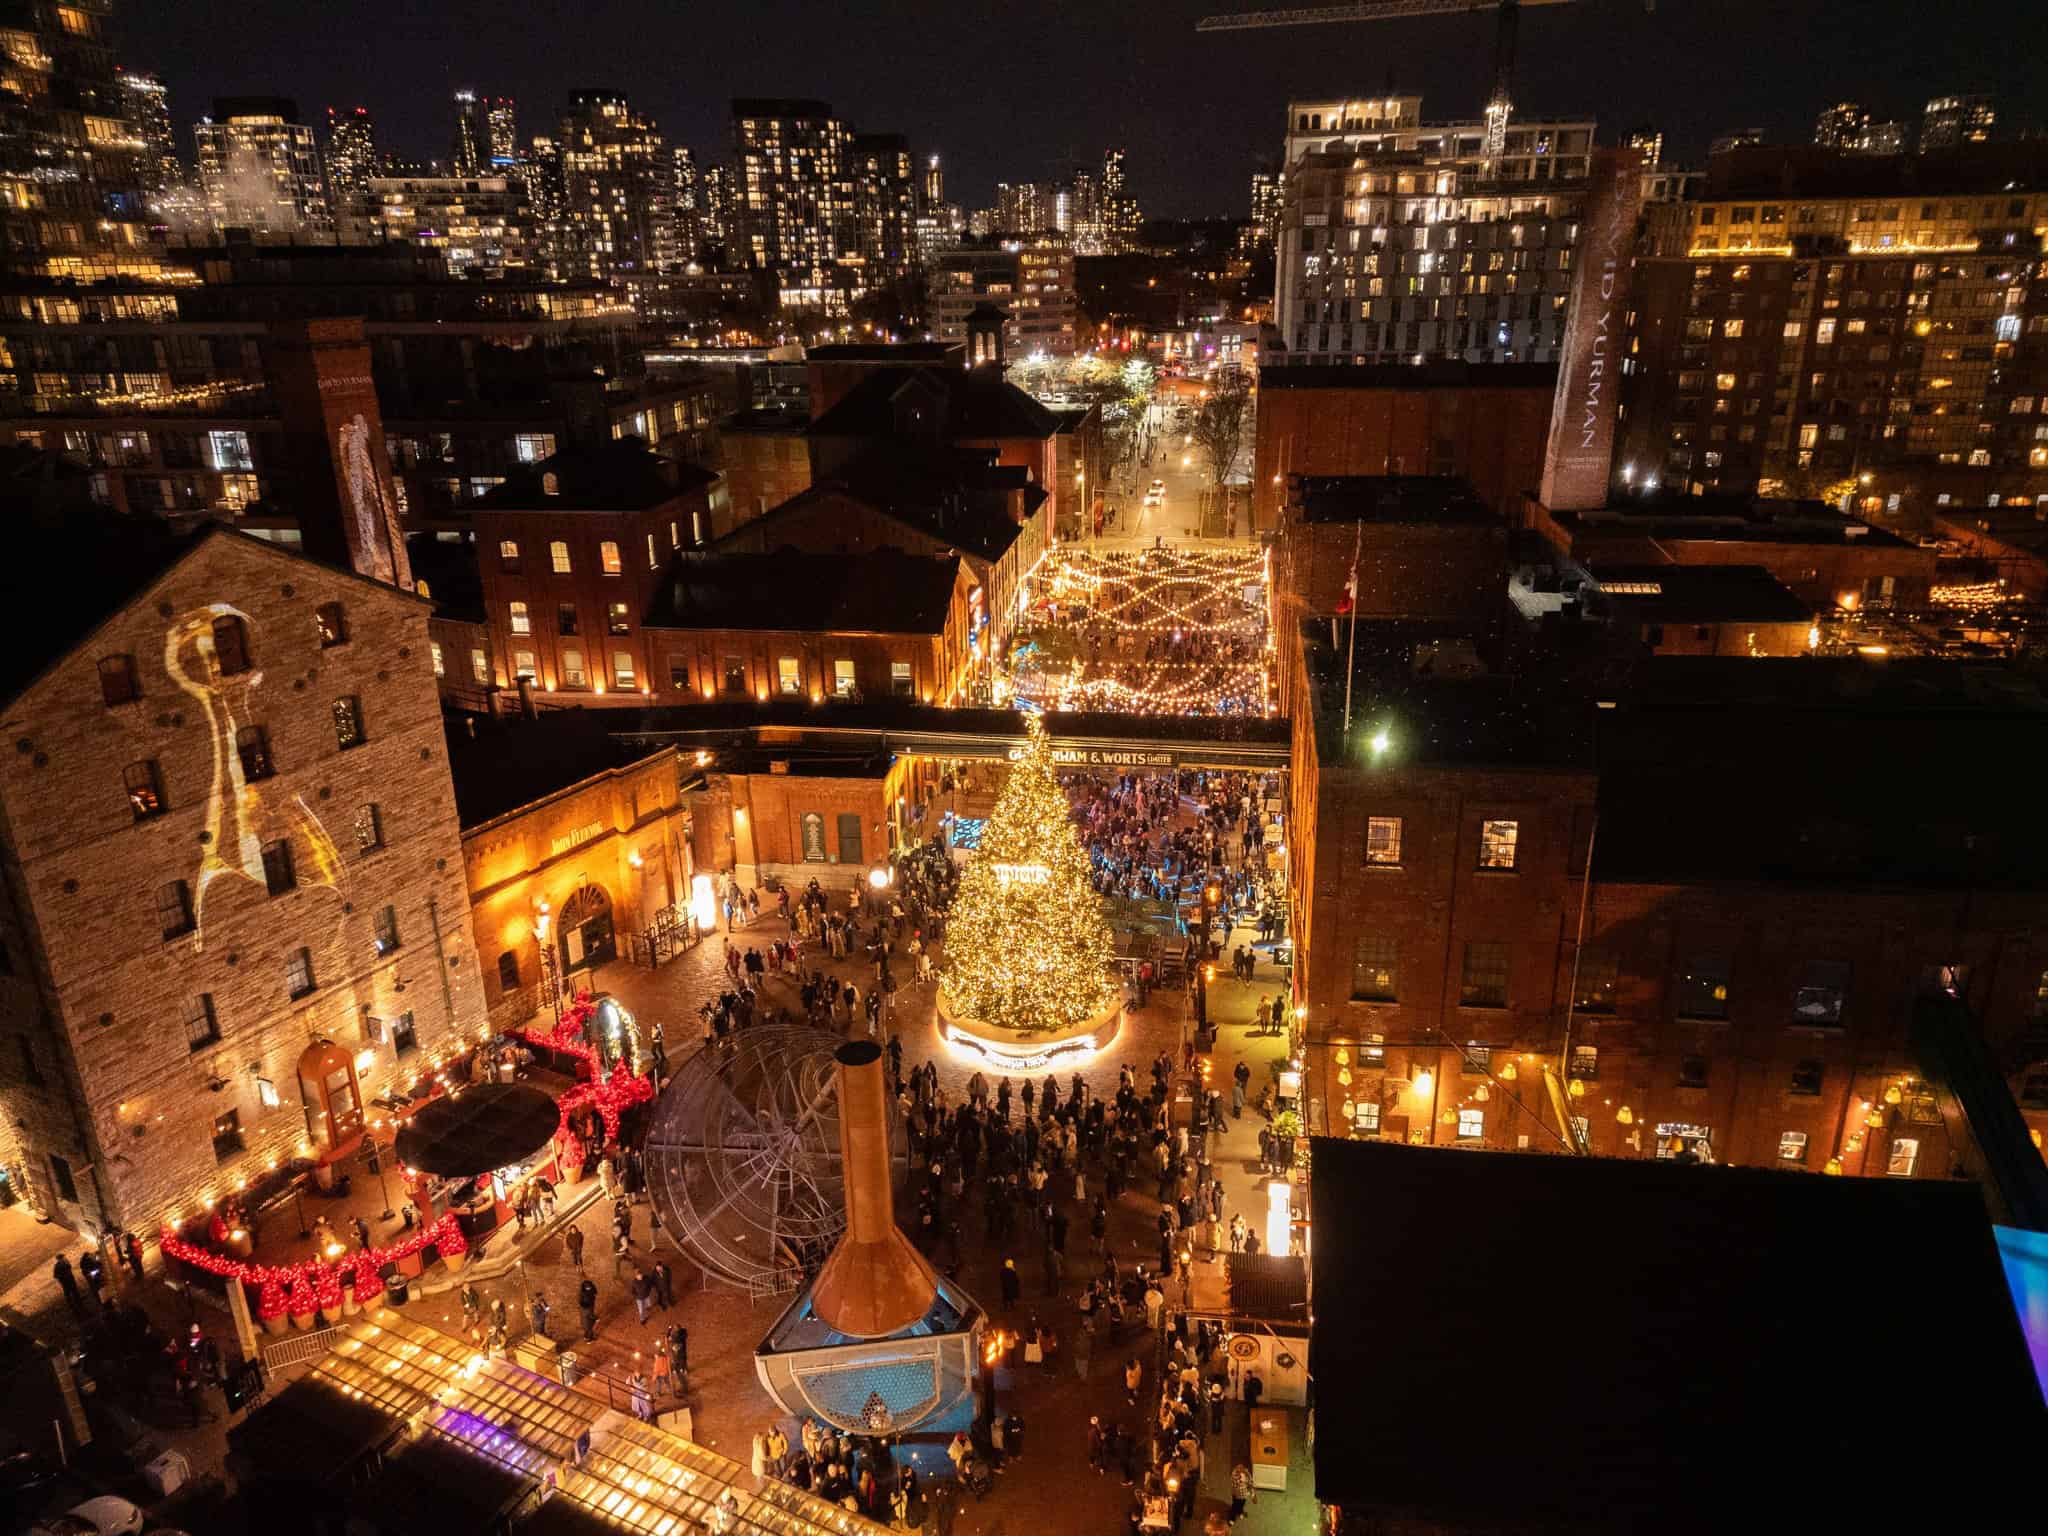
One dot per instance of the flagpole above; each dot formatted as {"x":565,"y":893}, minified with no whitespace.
{"x":1351,"y":653}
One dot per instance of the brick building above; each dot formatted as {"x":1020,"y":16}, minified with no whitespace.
{"x":1673,"y":610}
{"x":765,"y":456}
{"x":882,"y":624}
{"x":228,"y":834}
{"x":575,"y":839}
{"x":1827,"y":559}
{"x":572,"y":554}
{"x":1668,"y":880}
{"x":1484,"y":423}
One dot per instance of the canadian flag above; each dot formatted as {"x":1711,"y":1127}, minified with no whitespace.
{"x":1350,"y":598}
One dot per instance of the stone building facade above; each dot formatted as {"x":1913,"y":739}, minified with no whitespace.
{"x":228,"y":833}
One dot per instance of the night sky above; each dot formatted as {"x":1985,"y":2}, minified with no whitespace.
{"x":1014,"y":90}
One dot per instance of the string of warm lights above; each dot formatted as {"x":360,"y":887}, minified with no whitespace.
{"x":316,"y":1284}
{"x":1027,"y":949}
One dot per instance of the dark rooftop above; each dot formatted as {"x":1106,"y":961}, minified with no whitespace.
{"x":1441,"y":373}
{"x":1696,"y":594}
{"x":767,"y":419}
{"x":623,"y":475}
{"x":950,"y":404}
{"x":891,"y":352}
{"x":1676,"y":1384}
{"x":881,"y":591}
{"x":500,"y":765}
{"x":432,"y":1484}
{"x":1388,"y":499}
{"x":959,"y":497}
{"x":1813,"y":171}
{"x":445,"y":570}
{"x":311,"y":1433}
{"x":1749,"y":518}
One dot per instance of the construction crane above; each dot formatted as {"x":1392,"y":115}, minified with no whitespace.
{"x":1499,"y":105}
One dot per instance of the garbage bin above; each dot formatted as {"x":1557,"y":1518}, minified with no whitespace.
{"x":167,"y":1473}
{"x":567,"y":1361}
{"x":396,"y":1292}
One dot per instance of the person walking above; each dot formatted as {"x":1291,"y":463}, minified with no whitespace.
{"x":1013,"y":1285}
{"x":537,"y":1312}
{"x":95,"y":1274}
{"x":664,"y":1284}
{"x":1240,"y":1491}
{"x":586,"y":1304}
{"x":131,"y":1250}
{"x":1134,"y":1376}
{"x":1096,"y":1446}
{"x":68,"y":1283}
{"x":572,"y":1242}
{"x":643,"y":1292}
{"x":472,"y":1306}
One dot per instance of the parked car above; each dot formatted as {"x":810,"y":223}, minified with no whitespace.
{"x":104,"y":1516}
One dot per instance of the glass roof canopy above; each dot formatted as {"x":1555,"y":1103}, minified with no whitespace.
{"x":632,"y":1475}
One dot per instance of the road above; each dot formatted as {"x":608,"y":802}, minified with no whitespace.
{"x":1180,"y":517}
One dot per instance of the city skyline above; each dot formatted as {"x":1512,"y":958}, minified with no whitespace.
{"x":1197,"y":113}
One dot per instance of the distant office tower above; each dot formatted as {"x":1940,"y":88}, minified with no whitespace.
{"x":1266,"y":192}
{"x":794,"y":205}
{"x":1400,"y":240}
{"x":472,"y":135}
{"x":1119,"y":212}
{"x":885,"y":202}
{"x":618,"y":208}
{"x":351,"y":163}
{"x":501,"y":122}
{"x":72,"y":174}
{"x":1649,"y":142}
{"x":688,"y":197}
{"x":1033,"y":284}
{"x":541,"y":168}
{"x":1021,"y":208}
{"x":1841,"y":126}
{"x":479,"y":225}
{"x":149,"y":113}
{"x":1885,"y":138}
{"x":1950,"y":121}
{"x":932,"y":187}
{"x":259,"y":169}
{"x":1741,"y":138}
{"x":716,"y":217}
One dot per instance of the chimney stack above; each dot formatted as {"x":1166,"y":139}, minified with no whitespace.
{"x":875,"y":1283}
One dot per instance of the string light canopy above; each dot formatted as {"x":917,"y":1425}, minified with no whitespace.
{"x":1027,"y":949}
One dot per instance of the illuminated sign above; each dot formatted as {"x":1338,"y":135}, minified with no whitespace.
{"x":1581,"y":450}
{"x":1022,"y":874}
{"x":1102,"y":757}
{"x":577,"y":838}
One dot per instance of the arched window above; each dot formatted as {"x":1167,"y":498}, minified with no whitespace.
{"x":558,"y":557}
{"x":508,"y":555}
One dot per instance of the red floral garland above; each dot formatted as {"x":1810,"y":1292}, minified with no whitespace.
{"x":611,"y":1096}
{"x":313,"y":1283}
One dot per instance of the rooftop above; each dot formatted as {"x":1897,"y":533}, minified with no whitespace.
{"x":959,"y":497}
{"x":1441,"y":373}
{"x":503,"y":764}
{"x":1674,"y":1343}
{"x":938,"y":352}
{"x":623,"y":475}
{"x":1387,"y":499}
{"x":1726,"y":518}
{"x":952,"y":404}
{"x":1697,"y":594}
{"x":880,"y":591}
{"x":445,"y":571}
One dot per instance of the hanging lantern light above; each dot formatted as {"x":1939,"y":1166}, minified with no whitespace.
{"x":1349,"y":1110}
{"x":1344,"y":1076}
{"x":1625,"y":1115}
{"x":1482,"y":1093}
{"x":1892,"y":1094}
{"x":1343,"y":1057}
{"x":1834,"y":1166}
{"x":2035,"y":1137}
{"x":1449,"y":1117}
{"x":1875,"y":1119}
{"x":1578,"y":1088}
{"x":1507,"y":1072}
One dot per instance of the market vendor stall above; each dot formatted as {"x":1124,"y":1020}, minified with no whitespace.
{"x":469,"y":1153}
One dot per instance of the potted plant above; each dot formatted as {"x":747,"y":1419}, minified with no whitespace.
{"x":270,"y":1309}
{"x":302,"y":1306}
{"x":350,"y":1307}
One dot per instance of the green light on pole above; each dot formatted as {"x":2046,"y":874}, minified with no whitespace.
{"x":1379,"y":742}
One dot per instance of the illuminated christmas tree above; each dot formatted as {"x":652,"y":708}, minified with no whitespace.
{"x":1026,"y":947}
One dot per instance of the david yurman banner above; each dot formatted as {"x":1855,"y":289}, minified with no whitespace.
{"x":1581,"y":452}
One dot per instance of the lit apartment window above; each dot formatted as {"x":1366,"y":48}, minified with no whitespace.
{"x":252,"y":747}
{"x":622,"y":669}
{"x":480,"y":666}
{"x":348,"y":722}
{"x":900,"y":681}
{"x":332,"y":625}
{"x":608,"y":557}
{"x":1903,"y":1158}
{"x":842,"y":677}
{"x":522,"y":621}
{"x":508,"y":557}
{"x":145,"y":794}
{"x":1383,"y":840}
{"x":523,"y":667}
{"x":1375,"y":965}
{"x":788,"y":675}
{"x":1585,"y":1063}
{"x":573,"y":673}
{"x":369,"y":829}
{"x":1471,"y":1125}
{"x":532,"y":447}
{"x":387,"y":930}
{"x":558,"y":557}
{"x":228,"y":452}
{"x":440,"y":661}
{"x":618,"y":619}
{"x":1497,"y":841}
{"x":1792,"y":1146}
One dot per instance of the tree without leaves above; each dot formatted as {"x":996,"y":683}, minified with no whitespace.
{"x":1218,"y":425}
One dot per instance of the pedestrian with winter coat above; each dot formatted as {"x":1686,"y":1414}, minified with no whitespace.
{"x":586,"y":1303}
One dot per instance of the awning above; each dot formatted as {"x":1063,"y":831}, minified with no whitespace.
{"x":478,"y":1128}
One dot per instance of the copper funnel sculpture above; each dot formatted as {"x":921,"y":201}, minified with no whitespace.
{"x":875,"y":1283}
